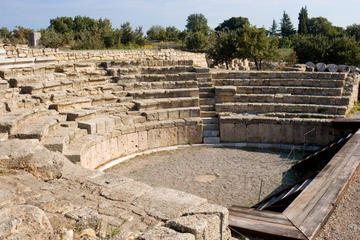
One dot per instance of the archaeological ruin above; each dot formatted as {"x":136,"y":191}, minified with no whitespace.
{"x":67,"y":116}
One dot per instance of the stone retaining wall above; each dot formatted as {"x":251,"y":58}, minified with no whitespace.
{"x":23,"y":51}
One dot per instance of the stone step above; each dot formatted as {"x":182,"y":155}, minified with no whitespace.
{"x":9,"y":122}
{"x":283,"y":107}
{"x":210,"y":120}
{"x":207,"y":107}
{"x":58,"y":138}
{"x":278,"y":75}
{"x":172,"y":114}
{"x":162,"y":103}
{"x":206,"y":95}
{"x":281,"y":82}
{"x":161,"y":77}
{"x":302,"y":115}
{"x":98,"y":124}
{"x":165,"y":69}
{"x":207,"y":101}
{"x":288,"y":98}
{"x":204,"y":79}
{"x":201,"y":70}
{"x":289,"y":90}
{"x":211,"y":133}
{"x":37,"y":128}
{"x":204,"y":84}
{"x":73,"y":103}
{"x":165,"y":93}
{"x":73,"y":115}
{"x":158,"y":85}
{"x":211,"y":140}
{"x":211,"y":126}
{"x":208,"y":114}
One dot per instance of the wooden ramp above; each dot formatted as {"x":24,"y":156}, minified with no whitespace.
{"x":310,"y":210}
{"x":305,"y":215}
{"x":266,"y":224}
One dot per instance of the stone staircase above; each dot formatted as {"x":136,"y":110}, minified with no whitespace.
{"x":207,"y":107}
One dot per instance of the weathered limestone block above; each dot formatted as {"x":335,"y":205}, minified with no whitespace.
{"x":202,"y":226}
{"x":24,"y":222}
{"x":164,"y":233}
{"x":164,"y":203}
{"x":127,"y":190}
{"x":31,"y":156}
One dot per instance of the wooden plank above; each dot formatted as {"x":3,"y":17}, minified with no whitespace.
{"x":313,"y":206}
{"x":326,"y":204}
{"x":284,"y":221}
{"x":265,"y":228}
{"x":264,"y":214}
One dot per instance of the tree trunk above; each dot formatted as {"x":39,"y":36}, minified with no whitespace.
{"x":256,"y":64}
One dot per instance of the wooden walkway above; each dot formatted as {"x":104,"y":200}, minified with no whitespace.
{"x":303,"y":218}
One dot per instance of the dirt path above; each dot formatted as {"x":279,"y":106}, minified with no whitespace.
{"x":224,"y":176}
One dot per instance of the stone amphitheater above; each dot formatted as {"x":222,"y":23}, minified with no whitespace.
{"x":64,"y":115}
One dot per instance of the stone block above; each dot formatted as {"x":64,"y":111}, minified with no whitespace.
{"x":164,"y":233}
{"x":165,"y":204}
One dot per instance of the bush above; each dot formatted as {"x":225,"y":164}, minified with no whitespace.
{"x":197,"y":41}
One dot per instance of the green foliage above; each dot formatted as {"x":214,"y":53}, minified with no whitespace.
{"x":273,"y":31}
{"x":319,"y":48}
{"x":4,"y":32}
{"x":233,"y":24}
{"x":87,"y":33}
{"x":310,"y":48}
{"x":156,"y":33}
{"x":224,"y":48}
{"x":197,"y":41}
{"x":197,"y":23}
{"x":286,"y":27}
{"x":50,"y":38}
{"x":321,"y":25}
{"x":20,"y":35}
{"x":257,"y":46}
{"x":172,"y":34}
{"x":344,"y":50}
{"x":354,"y":109}
{"x":352,"y":31}
{"x":285,"y":42}
{"x":303,"y":21}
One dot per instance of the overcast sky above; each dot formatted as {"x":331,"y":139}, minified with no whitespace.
{"x":37,"y":13}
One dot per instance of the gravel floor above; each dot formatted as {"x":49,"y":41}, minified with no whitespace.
{"x":224,"y":176}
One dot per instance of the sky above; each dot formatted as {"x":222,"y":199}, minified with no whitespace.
{"x":36,"y":14}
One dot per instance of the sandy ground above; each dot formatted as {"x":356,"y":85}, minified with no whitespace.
{"x":224,"y":176}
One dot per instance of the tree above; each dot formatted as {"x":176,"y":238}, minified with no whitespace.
{"x":197,"y":41}
{"x":286,"y":27}
{"x":139,"y":36}
{"x":51,"y":39}
{"x":303,"y":21}
{"x":321,"y":25}
{"x":127,"y":35}
{"x":224,"y":48}
{"x":172,"y":34}
{"x":273,"y":31}
{"x":234,"y":23}
{"x":255,"y":45}
{"x":197,"y":23}
{"x":311,"y":48}
{"x":354,"y":31}
{"x":4,"y":32}
{"x":156,"y":33}
{"x":20,"y":35}
{"x":344,"y":50}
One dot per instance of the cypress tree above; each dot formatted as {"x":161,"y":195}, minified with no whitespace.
{"x":286,"y":27}
{"x":273,"y":31}
{"x":303,"y":21}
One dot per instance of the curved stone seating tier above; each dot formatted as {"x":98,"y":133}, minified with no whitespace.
{"x":94,"y":150}
{"x":279,"y":107}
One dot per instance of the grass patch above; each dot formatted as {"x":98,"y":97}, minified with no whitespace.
{"x":354,"y":109}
